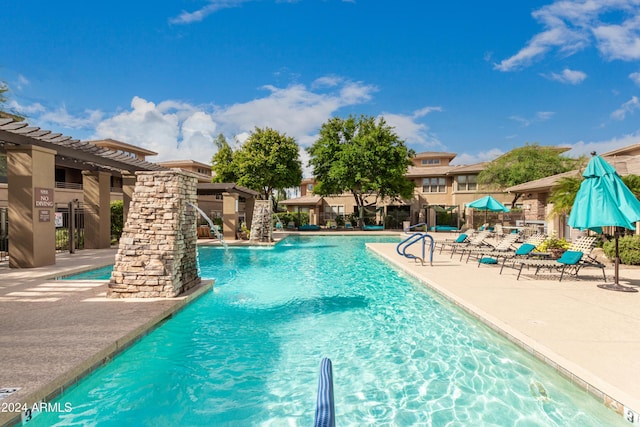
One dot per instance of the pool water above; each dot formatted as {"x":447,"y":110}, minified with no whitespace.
{"x":103,"y":273}
{"x":249,"y":353}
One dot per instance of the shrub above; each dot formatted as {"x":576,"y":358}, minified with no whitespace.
{"x":286,"y":217}
{"x":553,"y":243}
{"x":629,"y":248}
{"x":117,"y":211}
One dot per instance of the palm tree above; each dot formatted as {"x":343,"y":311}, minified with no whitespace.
{"x":633,"y":182}
{"x":563,"y":194}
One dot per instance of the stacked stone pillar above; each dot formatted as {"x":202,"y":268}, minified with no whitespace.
{"x":157,"y":252}
{"x":261,"y":225}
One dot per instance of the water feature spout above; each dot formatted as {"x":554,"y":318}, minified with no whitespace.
{"x":214,"y":228}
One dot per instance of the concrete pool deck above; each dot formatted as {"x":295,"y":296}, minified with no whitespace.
{"x":53,"y":332}
{"x":589,"y":335}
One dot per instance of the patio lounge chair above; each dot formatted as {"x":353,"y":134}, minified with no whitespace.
{"x":504,"y":245}
{"x":462,"y":237}
{"x":525,"y":250}
{"x":570,"y":261}
{"x":475,"y":242}
{"x":575,"y":258}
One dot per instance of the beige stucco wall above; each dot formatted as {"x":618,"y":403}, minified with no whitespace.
{"x":4,"y":195}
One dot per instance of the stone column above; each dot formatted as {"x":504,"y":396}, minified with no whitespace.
{"x":229,"y":215}
{"x":128,"y":186}
{"x":97,"y":212}
{"x":32,"y":233}
{"x":157,"y":252}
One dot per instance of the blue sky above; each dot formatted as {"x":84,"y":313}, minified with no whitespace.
{"x":474,"y":78}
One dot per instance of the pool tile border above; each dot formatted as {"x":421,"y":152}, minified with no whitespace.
{"x":71,"y":378}
{"x":607,"y":400}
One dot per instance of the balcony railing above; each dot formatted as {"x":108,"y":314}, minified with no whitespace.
{"x":69,"y":185}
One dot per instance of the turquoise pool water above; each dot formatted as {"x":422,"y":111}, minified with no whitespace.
{"x":249,"y":353}
{"x":102,"y":273}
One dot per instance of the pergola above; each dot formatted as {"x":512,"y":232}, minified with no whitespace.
{"x":32,"y":154}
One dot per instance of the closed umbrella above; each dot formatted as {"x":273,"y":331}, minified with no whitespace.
{"x":604,"y":200}
{"x":486,"y":204}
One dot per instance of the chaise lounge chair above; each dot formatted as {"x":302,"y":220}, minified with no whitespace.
{"x":525,"y":250}
{"x":504,"y":245}
{"x":571,"y":261}
{"x":474,"y":242}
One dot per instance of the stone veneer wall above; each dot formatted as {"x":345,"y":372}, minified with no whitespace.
{"x":261,"y":222}
{"x":157,"y":252}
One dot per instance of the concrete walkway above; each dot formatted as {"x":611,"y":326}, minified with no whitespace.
{"x":590,"y":335}
{"x":54,"y":332}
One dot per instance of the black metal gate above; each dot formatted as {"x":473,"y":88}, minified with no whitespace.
{"x":69,"y":219}
{"x":396,"y":215}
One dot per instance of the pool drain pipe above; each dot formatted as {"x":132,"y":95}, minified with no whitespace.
{"x":325,"y":410}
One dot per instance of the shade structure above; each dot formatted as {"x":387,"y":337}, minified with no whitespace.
{"x":487,"y":204}
{"x":604,"y":200}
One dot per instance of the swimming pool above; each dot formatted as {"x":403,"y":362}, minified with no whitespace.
{"x":249,"y":353}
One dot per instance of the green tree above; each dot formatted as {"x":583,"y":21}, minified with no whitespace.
{"x":633,"y":182}
{"x":5,"y":111}
{"x":563,"y":194}
{"x":267,"y":161}
{"x":363,"y":157}
{"x":525,"y":164}
{"x":117,"y":219}
{"x":222,"y":162}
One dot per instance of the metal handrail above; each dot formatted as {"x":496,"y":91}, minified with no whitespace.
{"x":401,"y":248}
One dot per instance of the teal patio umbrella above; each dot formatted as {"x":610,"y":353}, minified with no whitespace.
{"x":604,"y":200}
{"x":486,"y":204}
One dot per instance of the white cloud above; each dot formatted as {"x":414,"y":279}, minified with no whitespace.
{"x":181,"y":131}
{"x":540,"y":116}
{"x":327,"y":81}
{"x":571,"y":26}
{"x":627,"y":108}
{"x":635,"y":77}
{"x":60,"y":117}
{"x":483,"y":156}
{"x":22,"y":82}
{"x":567,"y":76}
{"x":544,"y":115}
{"x":146,"y":125}
{"x":200,"y":14}
{"x":619,"y":41}
{"x":584,"y":148}
{"x":414,"y":133}
{"x":216,"y":5}
{"x":26,"y":109}
{"x":294,"y":110}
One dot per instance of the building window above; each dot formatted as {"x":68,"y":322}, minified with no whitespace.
{"x":219,"y":196}
{"x":434,"y":185}
{"x":430,"y":161}
{"x":337,"y":209}
{"x":309,"y":187}
{"x":467,"y":182}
